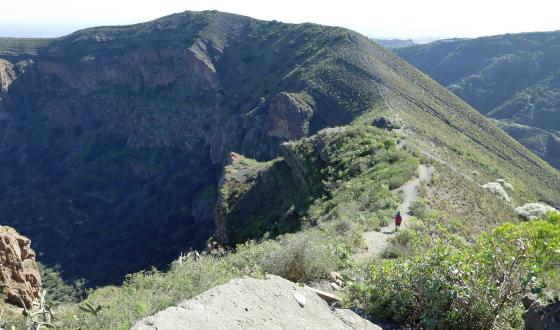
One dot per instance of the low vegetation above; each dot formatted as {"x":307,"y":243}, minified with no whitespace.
{"x":15,"y":48}
{"x":451,"y":284}
{"x":299,"y":257}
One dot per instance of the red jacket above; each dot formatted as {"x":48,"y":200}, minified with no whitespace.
{"x":398,"y":219}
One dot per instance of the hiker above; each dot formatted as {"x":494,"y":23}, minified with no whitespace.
{"x":398,"y":219}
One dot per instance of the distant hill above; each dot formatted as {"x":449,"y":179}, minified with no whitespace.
{"x":14,"y":48}
{"x":394,"y":43}
{"x":114,"y":139}
{"x":512,"y":77}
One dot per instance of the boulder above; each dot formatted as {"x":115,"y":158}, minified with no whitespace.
{"x":504,"y":183}
{"x":288,"y":115}
{"x":497,"y":189}
{"x":384,"y":123}
{"x":531,"y":211}
{"x":335,"y":276}
{"x":335,"y":287}
{"x":19,"y":275}
{"x":249,"y":303}
{"x":542,"y":317}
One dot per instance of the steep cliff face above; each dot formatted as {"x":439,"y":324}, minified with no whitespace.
{"x":255,"y":198}
{"x":289,"y":116}
{"x":19,"y":276}
{"x":113,"y":139}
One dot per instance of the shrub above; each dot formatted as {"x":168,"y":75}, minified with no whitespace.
{"x":419,"y":209}
{"x":404,"y":237}
{"x":474,"y":287}
{"x":342,"y":227}
{"x":298,"y":257}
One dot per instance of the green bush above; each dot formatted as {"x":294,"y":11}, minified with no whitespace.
{"x":404,"y":237}
{"x":474,"y":287}
{"x":299,"y":257}
{"x":419,"y":209}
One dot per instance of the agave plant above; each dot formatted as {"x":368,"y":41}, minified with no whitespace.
{"x":40,"y":315}
{"x":89,"y":308}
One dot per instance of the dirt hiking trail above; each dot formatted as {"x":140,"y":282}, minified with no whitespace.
{"x":376,"y":241}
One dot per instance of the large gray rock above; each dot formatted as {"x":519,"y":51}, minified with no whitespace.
{"x":249,"y":303}
{"x":497,"y":189}
{"x":288,"y":115}
{"x":531,"y":211}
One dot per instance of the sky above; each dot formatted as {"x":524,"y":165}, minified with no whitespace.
{"x":421,"y":20}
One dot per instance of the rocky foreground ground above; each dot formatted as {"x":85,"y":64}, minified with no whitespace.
{"x":249,"y":303}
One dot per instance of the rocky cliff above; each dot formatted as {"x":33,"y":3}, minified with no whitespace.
{"x":20,"y":281}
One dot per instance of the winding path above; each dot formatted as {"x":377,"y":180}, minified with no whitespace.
{"x":376,"y":241}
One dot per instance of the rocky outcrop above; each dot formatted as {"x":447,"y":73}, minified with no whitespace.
{"x":531,"y":211}
{"x":384,"y":123}
{"x":248,"y":303}
{"x":497,"y":189}
{"x":504,"y":184}
{"x":7,"y":75}
{"x":255,"y":198}
{"x":301,"y":159}
{"x":289,"y":115}
{"x":19,"y":275}
{"x":541,"y":317}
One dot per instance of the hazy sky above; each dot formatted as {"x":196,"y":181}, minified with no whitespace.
{"x":415,"y":19}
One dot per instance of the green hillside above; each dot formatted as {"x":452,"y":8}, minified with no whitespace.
{"x":512,"y":77}
{"x":115,"y":139}
{"x":261,"y":145}
{"x":14,"y":48}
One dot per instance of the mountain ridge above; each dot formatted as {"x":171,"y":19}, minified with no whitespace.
{"x":511,"y":77}
{"x":115,"y":138}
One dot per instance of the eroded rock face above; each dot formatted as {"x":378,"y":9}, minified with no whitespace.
{"x":7,"y":75}
{"x":255,"y":198}
{"x":289,"y":115}
{"x":19,"y":275}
